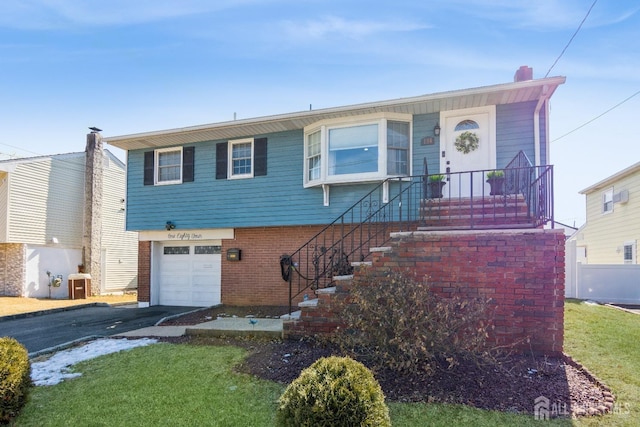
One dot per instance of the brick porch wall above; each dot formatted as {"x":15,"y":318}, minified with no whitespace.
{"x":13,"y":269}
{"x":521,"y":271}
{"x":256,"y":279}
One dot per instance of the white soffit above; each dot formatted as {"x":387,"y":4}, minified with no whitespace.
{"x":507,"y":93}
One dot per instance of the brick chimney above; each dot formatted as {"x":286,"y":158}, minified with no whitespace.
{"x":523,"y":73}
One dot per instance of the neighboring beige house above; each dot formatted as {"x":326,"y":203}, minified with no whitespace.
{"x":612,"y":230}
{"x":62,"y":211}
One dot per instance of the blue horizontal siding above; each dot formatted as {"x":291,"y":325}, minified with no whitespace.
{"x":423,"y":125}
{"x":279,"y":198}
{"x":514,"y":131}
{"x":275,"y":199}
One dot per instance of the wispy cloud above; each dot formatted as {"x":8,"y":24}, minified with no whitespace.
{"x":55,"y":14}
{"x":338,"y":27}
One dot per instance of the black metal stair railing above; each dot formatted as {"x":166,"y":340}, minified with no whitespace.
{"x":404,"y":204}
{"x":535,"y":183}
{"x":394,"y":205}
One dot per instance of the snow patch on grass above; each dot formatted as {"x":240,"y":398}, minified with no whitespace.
{"x":56,"y":369}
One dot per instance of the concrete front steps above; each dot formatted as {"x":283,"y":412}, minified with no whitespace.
{"x":488,"y":212}
{"x":318,"y":316}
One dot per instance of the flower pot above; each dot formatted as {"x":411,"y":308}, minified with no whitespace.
{"x":436,"y":189}
{"x":497,"y":186}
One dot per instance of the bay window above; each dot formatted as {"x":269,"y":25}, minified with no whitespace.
{"x":313,"y":156}
{"x":397,"y":148}
{"x":357,"y":149}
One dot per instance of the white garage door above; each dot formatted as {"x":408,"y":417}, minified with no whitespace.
{"x":190,"y":274}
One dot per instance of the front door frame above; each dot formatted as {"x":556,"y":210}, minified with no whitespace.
{"x":448,"y":120}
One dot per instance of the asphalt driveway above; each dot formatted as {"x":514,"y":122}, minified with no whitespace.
{"x":38,"y":333}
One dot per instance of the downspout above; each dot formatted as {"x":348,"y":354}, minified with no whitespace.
{"x":536,"y":126}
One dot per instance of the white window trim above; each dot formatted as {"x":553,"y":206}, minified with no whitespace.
{"x":603,"y":201}
{"x":324,"y":126}
{"x":230,"y":173}
{"x":156,"y":166}
{"x":633,"y":259}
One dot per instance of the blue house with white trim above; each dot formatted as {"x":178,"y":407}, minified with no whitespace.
{"x":221,"y":208}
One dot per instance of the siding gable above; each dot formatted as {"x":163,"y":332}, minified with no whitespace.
{"x":51,"y":208}
{"x":4,"y":201}
{"x":605,"y":234}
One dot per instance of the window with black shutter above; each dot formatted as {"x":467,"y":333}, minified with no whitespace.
{"x":242,"y":158}
{"x":169,"y":166}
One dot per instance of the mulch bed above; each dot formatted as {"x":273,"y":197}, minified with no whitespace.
{"x":510,"y":384}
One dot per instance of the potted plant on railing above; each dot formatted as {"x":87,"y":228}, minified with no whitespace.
{"x":436,"y":182}
{"x":496,"y":180}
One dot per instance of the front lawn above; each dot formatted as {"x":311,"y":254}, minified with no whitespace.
{"x":158,"y":385}
{"x":607,"y":342}
{"x":174,"y":385}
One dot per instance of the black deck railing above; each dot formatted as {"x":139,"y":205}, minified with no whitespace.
{"x":523,"y":198}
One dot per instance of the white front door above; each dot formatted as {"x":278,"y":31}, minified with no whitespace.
{"x":482,"y":123}
{"x":190,"y":274}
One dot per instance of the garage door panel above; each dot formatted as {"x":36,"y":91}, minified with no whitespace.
{"x":205,"y":298}
{"x":175,"y":265}
{"x":190,"y":275}
{"x":175,"y":297}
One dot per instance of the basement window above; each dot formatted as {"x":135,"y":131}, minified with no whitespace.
{"x":629,"y":253}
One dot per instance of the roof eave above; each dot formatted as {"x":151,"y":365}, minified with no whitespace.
{"x":612,"y":179}
{"x":200,"y":133}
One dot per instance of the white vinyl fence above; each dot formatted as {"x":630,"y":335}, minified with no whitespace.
{"x":604,"y":283}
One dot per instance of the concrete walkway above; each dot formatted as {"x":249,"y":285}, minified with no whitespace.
{"x":225,"y":326}
{"x":629,"y":308}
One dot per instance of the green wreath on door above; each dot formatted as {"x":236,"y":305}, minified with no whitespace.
{"x":467,"y":142}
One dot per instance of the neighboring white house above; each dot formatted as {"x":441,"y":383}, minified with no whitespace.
{"x":49,"y":206}
{"x":602,"y":256}
{"x":612,"y":229}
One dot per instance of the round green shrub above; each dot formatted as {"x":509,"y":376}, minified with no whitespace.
{"x":15,"y":378}
{"x":334,"y":391}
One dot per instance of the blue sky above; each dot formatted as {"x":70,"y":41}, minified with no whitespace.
{"x":135,"y":66}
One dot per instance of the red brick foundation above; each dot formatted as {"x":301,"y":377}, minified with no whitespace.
{"x":144,"y":271}
{"x":522,"y":272}
{"x":256,"y":279}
